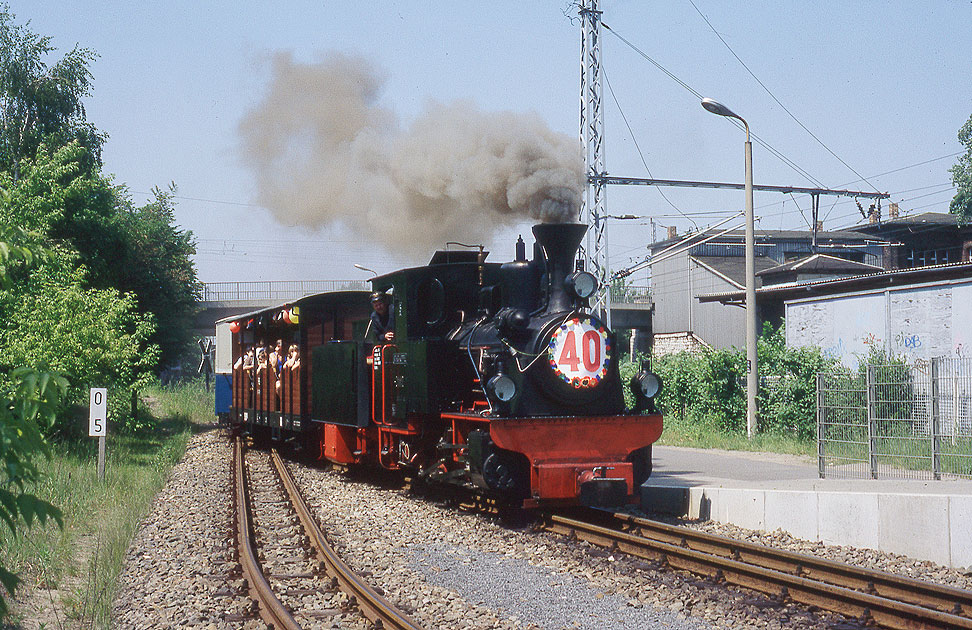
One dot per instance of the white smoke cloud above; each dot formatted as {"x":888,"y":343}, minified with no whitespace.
{"x":325,"y":152}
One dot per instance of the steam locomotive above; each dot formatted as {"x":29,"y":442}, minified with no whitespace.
{"x":499,"y":379}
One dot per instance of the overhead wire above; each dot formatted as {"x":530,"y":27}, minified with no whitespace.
{"x":778,"y":102}
{"x":790,"y":163}
{"x":638,"y":147}
{"x":759,"y":140}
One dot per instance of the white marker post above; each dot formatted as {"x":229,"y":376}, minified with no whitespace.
{"x":98,"y":423}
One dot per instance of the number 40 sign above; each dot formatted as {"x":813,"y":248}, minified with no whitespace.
{"x":98,"y":412}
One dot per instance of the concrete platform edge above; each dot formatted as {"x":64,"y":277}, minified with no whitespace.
{"x":924,"y":527}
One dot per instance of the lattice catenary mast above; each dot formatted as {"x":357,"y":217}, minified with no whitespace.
{"x":592,"y":211}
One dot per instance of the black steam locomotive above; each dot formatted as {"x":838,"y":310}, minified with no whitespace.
{"x":498,"y":378}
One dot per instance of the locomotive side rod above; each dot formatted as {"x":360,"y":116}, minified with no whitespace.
{"x":885,"y":612}
{"x":375,"y":607}
{"x":271,"y":609}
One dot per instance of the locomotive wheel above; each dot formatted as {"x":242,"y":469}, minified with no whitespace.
{"x":504,"y":472}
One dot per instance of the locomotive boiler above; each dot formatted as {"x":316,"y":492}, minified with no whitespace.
{"x":499,"y":379}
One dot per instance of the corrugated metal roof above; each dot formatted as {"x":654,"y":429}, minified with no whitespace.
{"x":733,"y":268}
{"x":838,"y":285}
{"x":823,"y":236}
{"x":822,"y":262}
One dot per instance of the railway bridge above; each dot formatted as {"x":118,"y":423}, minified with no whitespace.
{"x":631,"y":306}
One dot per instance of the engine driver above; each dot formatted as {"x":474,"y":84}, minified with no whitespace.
{"x":382,"y":317}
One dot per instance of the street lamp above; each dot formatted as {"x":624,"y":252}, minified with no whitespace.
{"x":752,"y":371}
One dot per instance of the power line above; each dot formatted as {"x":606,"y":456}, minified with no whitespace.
{"x":778,"y":102}
{"x":910,"y":166}
{"x":793,"y":165}
{"x":635,"y":141}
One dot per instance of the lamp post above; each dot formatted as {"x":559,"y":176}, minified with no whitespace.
{"x":752,"y":370}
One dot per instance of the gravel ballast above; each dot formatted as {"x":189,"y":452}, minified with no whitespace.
{"x":444,"y":567}
{"x":178,"y":572}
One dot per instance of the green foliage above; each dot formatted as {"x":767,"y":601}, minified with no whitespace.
{"x":50,"y":172}
{"x":962,"y":176}
{"x":41,"y":102}
{"x":93,"y":336}
{"x":708,"y":387}
{"x":11,"y":253}
{"x":787,"y":400}
{"x":84,"y":276}
{"x":155,"y":265}
{"x":30,"y":400}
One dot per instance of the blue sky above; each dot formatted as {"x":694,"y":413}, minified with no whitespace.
{"x":884,"y":85}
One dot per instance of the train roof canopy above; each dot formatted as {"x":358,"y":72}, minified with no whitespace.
{"x":330,"y":298}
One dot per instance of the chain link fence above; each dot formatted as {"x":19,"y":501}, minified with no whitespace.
{"x":897,"y":421}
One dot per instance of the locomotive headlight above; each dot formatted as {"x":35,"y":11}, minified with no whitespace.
{"x":502,"y":387}
{"x":582,"y":284}
{"x":646,"y":384}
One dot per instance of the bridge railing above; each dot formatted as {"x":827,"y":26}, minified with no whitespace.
{"x":630,"y":294}
{"x":293,"y":289}
{"x":276,"y":289}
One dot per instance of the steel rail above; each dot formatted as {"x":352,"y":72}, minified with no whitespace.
{"x":885,"y":612}
{"x":375,"y":607}
{"x":272,"y":610}
{"x":948,"y":599}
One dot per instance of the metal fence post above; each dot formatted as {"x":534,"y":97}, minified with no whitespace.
{"x":871,"y":422}
{"x":936,"y":421}
{"x":821,"y":433}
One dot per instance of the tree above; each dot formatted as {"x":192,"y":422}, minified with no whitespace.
{"x":39,"y":102}
{"x":29,"y":400}
{"x":133,"y":250}
{"x":155,"y":264}
{"x":962,"y":176}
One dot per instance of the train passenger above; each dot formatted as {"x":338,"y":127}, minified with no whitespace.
{"x":277,"y":358}
{"x":293,"y":360}
{"x":245,"y":361}
{"x":382,"y":323}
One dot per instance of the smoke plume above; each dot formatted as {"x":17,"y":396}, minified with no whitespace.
{"x":324,"y":152}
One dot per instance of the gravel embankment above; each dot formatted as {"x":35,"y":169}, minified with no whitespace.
{"x":458,"y":570}
{"x":869,"y":558}
{"x":446,"y":568}
{"x":178,"y":571}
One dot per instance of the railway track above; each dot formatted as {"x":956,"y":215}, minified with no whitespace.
{"x":290,"y":561}
{"x":872,"y":597}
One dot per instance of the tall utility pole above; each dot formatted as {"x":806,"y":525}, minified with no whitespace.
{"x":592,"y":137}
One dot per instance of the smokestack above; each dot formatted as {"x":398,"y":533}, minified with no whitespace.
{"x":893,"y":210}
{"x":559,"y":242}
{"x":820,"y":226}
{"x":672,"y":233}
{"x":873,"y":214}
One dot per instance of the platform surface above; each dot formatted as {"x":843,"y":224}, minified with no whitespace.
{"x":923,"y":519}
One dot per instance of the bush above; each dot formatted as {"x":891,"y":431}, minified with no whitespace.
{"x":709,"y":386}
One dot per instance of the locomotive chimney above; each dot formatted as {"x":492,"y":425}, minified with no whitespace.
{"x":559,"y":242}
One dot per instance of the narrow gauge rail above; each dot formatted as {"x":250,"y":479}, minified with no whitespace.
{"x":888,"y":600}
{"x":374,"y":607}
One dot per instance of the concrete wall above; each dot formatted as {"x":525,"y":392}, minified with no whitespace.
{"x":919,"y":321}
{"x":925,"y":526}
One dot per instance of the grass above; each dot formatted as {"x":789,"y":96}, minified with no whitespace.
{"x":707,"y":434}
{"x":100,"y":519}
